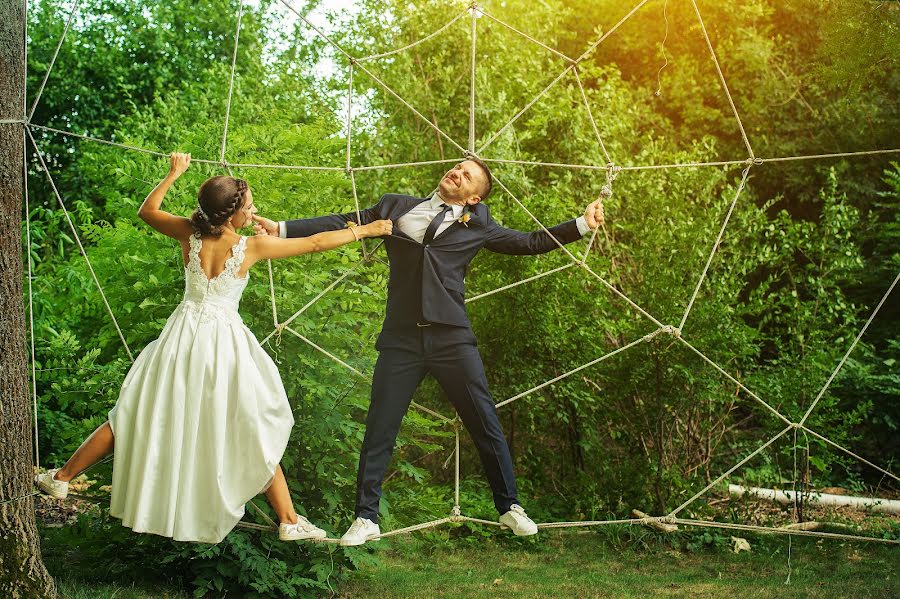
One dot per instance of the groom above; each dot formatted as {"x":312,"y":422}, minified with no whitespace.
{"x":426,"y":330}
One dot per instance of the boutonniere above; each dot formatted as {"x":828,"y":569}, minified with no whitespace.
{"x":466,"y":217}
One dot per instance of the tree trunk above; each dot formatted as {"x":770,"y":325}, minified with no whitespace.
{"x":22,"y":571}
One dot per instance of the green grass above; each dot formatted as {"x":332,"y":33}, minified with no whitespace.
{"x":583,"y":565}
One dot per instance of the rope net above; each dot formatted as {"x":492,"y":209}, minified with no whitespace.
{"x":473,"y":11}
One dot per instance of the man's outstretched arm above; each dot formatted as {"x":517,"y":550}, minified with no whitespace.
{"x":304,"y":227}
{"x":509,"y":241}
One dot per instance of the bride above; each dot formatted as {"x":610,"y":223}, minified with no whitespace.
{"x":203,"y":419}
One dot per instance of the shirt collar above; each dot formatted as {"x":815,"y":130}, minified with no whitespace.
{"x":437,"y":200}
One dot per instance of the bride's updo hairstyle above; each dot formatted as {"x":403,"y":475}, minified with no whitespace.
{"x":218,"y":199}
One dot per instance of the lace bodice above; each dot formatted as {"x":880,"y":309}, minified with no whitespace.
{"x":220,"y":296}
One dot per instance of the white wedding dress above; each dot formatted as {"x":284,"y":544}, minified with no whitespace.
{"x":202,"y":419}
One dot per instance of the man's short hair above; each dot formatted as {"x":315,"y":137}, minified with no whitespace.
{"x":487,"y":171}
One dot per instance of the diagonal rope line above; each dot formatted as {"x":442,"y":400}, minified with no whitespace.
{"x":850,"y":453}
{"x":712,"y":53}
{"x":416,"y":43}
{"x":715,"y":247}
{"x":327,"y":353}
{"x":574,"y":370}
{"x":397,"y":96}
{"x":575,"y":259}
{"x":316,"y":29}
{"x":525,"y":109}
{"x":587,"y":107}
{"x":603,"y":37}
{"x":437,"y":415}
{"x":627,"y":299}
{"x":730,"y":470}
{"x":318,"y":296}
{"x":783,"y":531}
{"x":52,"y":60}
{"x":525,"y":35}
{"x":34,"y":396}
{"x":520,"y":282}
{"x":471,"y":147}
{"x":237,"y":34}
{"x":737,"y":382}
{"x":80,"y":246}
{"x":850,"y":349}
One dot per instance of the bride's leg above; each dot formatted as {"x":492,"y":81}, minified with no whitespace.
{"x":280,"y":498}
{"x":95,"y":448}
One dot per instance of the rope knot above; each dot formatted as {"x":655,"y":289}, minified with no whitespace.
{"x":605,"y":192}
{"x":671,"y":330}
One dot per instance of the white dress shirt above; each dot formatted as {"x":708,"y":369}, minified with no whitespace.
{"x":416,"y":221}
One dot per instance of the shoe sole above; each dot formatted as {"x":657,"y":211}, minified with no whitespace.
{"x":313,"y":537}
{"x":48,"y":491}
{"x":363,"y":542}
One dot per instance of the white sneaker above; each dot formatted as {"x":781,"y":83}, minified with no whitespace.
{"x":303,"y":530}
{"x":49,"y":485}
{"x":360,"y":531}
{"x":518,"y":521}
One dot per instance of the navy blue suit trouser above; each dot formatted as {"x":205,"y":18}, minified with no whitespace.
{"x":451,"y":356}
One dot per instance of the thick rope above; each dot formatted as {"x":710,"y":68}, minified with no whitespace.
{"x":80,"y":246}
{"x":852,"y":454}
{"x":416,"y":43}
{"x":397,"y":96}
{"x":722,"y":477}
{"x":573,"y":371}
{"x":62,"y":38}
{"x":850,"y":350}
{"x":784,"y":531}
{"x":743,"y":387}
{"x":715,"y":247}
{"x":525,"y":35}
{"x":712,"y":53}
{"x":471,"y":147}
{"x":237,"y":34}
{"x":587,"y":107}
{"x":520,"y":282}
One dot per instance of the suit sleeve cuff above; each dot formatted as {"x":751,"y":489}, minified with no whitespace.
{"x":282,"y":229}
{"x":583,"y":227}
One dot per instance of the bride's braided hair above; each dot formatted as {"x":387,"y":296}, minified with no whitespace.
{"x":218,"y":199}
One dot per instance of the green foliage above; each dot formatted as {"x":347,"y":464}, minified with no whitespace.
{"x":808,"y":251}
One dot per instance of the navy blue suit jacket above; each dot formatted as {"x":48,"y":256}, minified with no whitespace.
{"x":427,"y":283}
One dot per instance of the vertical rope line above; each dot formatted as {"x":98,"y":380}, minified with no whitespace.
{"x":850,"y":349}
{"x":794,"y":514}
{"x":474,"y":10}
{"x":272,"y":293}
{"x":25,"y":61}
{"x":587,"y":107}
{"x":37,"y":98}
{"x":456,"y":473}
{"x":362,"y":242}
{"x":237,"y":33}
{"x":80,"y":246}
{"x":349,"y":116}
{"x":715,"y":247}
{"x":722,"y":79}
{"x":34,"y":398}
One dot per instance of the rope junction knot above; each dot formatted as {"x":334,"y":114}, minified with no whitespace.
{"x":753,"y":161}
